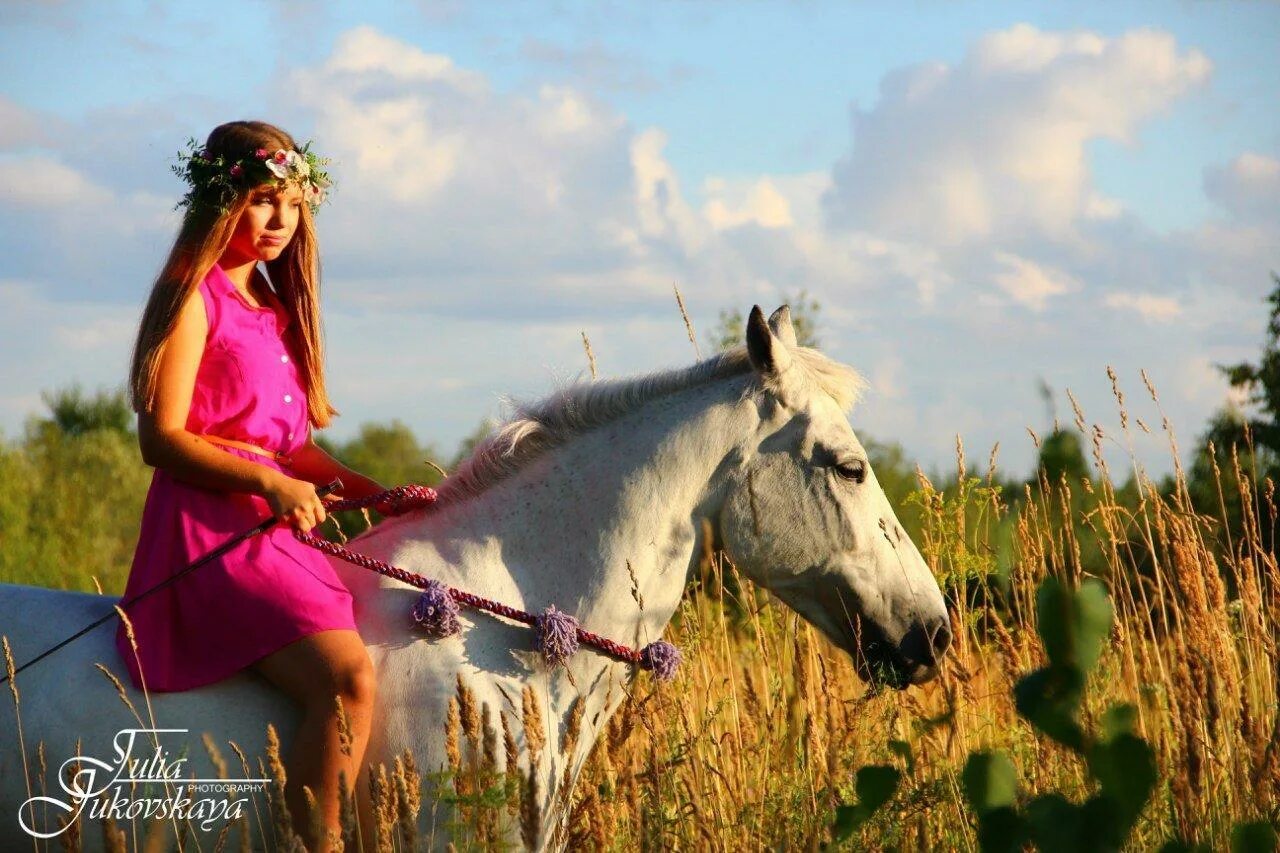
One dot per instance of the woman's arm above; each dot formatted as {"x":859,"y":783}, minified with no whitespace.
{"x":166,"y":443}
{"x":311,"y":463}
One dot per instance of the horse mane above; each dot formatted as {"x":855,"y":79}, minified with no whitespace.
{"x":540,"y":425}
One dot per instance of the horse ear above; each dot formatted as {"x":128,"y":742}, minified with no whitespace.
{"x":780,"y":322}
{"x":768,"y":354}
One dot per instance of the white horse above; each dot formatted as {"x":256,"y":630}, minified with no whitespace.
{"x":599,"y":488}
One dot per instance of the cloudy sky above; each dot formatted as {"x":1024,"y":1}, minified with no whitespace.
{"x":981,"y":197}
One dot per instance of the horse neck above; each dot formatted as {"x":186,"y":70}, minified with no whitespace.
{"x":601,"y":524}
{"x":616,"y":507}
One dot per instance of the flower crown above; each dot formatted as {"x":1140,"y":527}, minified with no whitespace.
{"x":216,"y":181}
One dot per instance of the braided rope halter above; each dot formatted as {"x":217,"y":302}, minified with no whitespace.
{"x":557,"y":635}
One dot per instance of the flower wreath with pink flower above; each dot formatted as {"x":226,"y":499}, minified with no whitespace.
{"x":214,"y":182}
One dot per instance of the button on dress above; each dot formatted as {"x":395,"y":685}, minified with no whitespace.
{"x":266,"y":592}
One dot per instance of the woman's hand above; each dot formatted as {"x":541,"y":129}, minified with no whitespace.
{"x":295,"y":501}
{"x":313,"y":463}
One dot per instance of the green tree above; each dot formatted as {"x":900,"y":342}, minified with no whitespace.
{"x":1213,"y":482}
{"x":72,"y":412}
{"x":1062,"y":454}
{"x":1217,"y":492}
{"x":468,"y":444}
{"x":1262,"y":380}
{"x":389,"y":453}
{"x":74,"y":488}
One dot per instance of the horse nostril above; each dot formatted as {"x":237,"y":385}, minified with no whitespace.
{"x":926,"y":642}
{"x":939,"y":636}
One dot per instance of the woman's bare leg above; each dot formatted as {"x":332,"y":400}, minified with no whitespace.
{"x":312,"y":670}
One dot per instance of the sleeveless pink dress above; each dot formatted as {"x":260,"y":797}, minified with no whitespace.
{"x":267,"y":591}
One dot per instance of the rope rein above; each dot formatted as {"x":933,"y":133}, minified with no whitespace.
{"x":557,"y":635}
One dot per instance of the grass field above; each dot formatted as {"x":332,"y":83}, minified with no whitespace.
{"x":758,"y":743}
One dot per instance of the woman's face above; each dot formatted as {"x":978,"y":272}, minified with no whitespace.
{"x":267,"y":224}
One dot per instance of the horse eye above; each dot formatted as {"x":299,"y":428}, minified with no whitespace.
{"x":855,"y":471}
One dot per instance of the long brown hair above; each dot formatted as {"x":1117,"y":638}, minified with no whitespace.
{"x":202,"y":238}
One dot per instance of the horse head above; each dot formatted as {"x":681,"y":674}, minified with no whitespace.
{"x":805,"y":518}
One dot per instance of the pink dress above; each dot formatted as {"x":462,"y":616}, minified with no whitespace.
{"x":267,"y":591}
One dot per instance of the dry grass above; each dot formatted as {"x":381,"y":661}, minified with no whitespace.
{"x":759,"y":740}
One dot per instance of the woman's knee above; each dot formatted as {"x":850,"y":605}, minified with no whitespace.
{"x":356,"y":681}
{"x":317,"y":667}
{"x":351,"y":677}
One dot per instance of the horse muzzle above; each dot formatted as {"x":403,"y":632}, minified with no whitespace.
{"x":914,"y":659}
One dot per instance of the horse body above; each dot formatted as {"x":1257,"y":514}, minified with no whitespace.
{"x":561,"y":531}
{"x":593,"y":501}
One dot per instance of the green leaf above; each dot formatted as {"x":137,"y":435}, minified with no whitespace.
{"x":1256,"y":837}
{"x":848,"y":819}
{"x":1094,"y":616}
{"x":1055,"y":823}
{"x":1073,"y":624}
{"x":875,"y":785}
{"x":1126,"y":770}
{"x":990,"y":781}
{"x":1119,"y":719}
{"x":1053,"y":612}
{"x":1048,"y":698}
{"x":1102,"y":825}
{"x":1001,"y":830}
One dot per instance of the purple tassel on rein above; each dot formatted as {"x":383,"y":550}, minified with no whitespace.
{"x":435,"y":612}
{"x":661,"y":657}
{"x":555,"y":635}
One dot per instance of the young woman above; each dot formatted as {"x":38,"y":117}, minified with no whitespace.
{"x":227,"y":379}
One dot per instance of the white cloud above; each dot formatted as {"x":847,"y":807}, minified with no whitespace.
{"x":1248,"y":187}
{"x":41,"y":182}
{"x":434,"y":166}
{"x":886,"y":378}
{"x":1031,"y":284}
{"x":567,"y":112}
{"x":1153,"y":308}
{"x":397,"y":147}
{"x":762,"y":205}
{"x":108,"y":333}
{"x":1100,"y":207}
{"x":1200,"y":381}
{"x":365,"y":50}
{"x":19,"y":126}
{"x":61,"y":227}
{"x":662,"y":208}
{"x":996,"y":144}
{"x":47,"y":344}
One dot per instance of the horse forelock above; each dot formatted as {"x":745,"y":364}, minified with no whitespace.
{"x":540,"y":425}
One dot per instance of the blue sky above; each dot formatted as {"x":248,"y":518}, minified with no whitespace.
{"x":741,"y":92}
{"x":980,"y":195}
